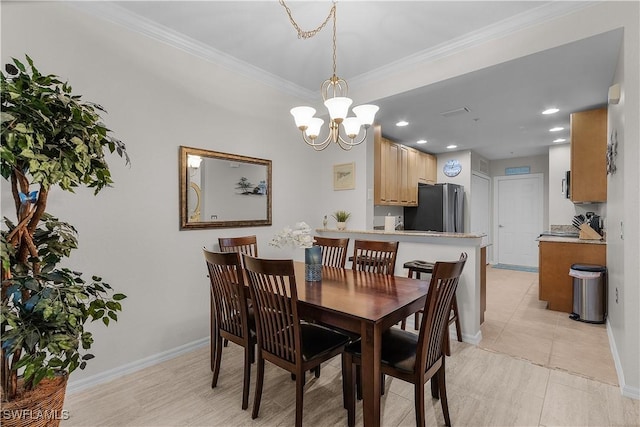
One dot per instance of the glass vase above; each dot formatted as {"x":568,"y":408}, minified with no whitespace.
{"x":313,"y":264}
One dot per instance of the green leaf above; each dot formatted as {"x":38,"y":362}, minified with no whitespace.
{"x":105,"y":320}
{"x":119,"y":297}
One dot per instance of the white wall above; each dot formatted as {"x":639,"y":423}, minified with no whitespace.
{"x":561,"y":209}
{"x":623,"y":225}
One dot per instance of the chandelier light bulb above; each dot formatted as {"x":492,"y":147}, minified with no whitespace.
{"x":194,"y":161}
{"x":351,"y":126}
{"x":366,"y":113}
{"x":313,"y":129}
{"x":302,"y":116}
{"x":338,"y":107}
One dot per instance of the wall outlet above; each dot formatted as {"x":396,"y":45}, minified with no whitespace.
{"x":616,"y":295}
{"x":214,"y":216}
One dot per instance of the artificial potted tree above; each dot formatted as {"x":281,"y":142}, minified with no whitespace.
{"x":49,"y":137}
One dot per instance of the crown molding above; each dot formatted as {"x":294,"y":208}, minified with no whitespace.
{"x":546,"y":12}
{"x":118,"y":15}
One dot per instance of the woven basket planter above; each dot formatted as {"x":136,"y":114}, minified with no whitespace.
{"x":41,"y":407}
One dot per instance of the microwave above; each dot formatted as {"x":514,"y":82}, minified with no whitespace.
{"x":566,"y":185}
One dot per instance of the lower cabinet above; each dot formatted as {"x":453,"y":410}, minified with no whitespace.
{"x":554,"y":283}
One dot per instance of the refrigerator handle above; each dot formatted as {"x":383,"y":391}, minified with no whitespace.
{"x":455,"y":211}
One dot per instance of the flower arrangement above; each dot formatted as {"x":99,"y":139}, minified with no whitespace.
{"x":299,"y":236}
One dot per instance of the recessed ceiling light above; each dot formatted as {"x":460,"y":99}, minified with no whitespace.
{"x":402,"y":123}
{"x":559,"y":140}
{"x":550,"y":111}
{"x":451,"y":147}
{"x":556,"y":129}
{"x":421,"y":141}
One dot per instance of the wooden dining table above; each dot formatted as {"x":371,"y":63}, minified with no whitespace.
{"x":364,"y":303}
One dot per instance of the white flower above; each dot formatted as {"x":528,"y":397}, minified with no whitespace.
{"x":300,"y":236}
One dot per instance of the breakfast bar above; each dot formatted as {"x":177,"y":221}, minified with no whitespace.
{"x":436,"y":246}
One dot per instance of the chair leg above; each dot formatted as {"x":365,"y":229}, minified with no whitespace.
{"x":299,"y":398}
{"x":217,"y":360}
{"x":247,"y":377}
{"x":348,"y":387}
{"x":316,"y":371}
{"x":226,"y":342}
{"x":345,"y":388}
{"x":446,"y":343}
{"x":403,"y":324}
{"x":443,"y":395}
{"x":454,"y":306}
{"x":259,"y":381}
{"x":419,"y":403}
{"x":434,"y":387}
{"x":416,"y":320}
{"x":358,"y":382}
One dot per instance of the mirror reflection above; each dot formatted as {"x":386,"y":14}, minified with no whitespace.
{"x":223,"y":190}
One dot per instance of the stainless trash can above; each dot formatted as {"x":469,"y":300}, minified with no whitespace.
{"x":589,"y":293}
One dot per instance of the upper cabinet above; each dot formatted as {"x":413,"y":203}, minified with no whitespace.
{"x":588,"y":156}
{"x":427,"y":168}
{"x":398,"y":170}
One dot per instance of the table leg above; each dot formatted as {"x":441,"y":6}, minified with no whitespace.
{"x":371,"y":339}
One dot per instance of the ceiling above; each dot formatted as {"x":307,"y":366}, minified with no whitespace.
{"x":376,"y":37}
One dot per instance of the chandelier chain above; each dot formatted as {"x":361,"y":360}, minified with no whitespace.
{"x":302,"y":34}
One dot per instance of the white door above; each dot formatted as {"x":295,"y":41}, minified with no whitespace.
{"x":480,"y":207}
{"x":518,"y":218}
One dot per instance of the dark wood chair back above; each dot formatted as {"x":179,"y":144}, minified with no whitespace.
{"x":228,"y":291}
{"x":444,"y":282}
{"x":334,"y":251}
{"x":374,"y":256}
{"x":244,"y":245}
{"x":272,"y":284}
{"x":230,"y":313}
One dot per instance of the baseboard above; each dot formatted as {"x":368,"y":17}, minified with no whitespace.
{"x":626,"y":390}
{"x":471,"y":339}
{"x":120,"y":371}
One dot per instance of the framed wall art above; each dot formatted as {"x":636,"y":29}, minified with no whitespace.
{"x":344,"y":176}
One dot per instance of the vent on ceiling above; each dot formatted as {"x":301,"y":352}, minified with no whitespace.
{"x":455,"y":112}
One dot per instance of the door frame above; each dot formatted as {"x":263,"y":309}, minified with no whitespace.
{"x":496,"y":198}
{"x":489,"y":239}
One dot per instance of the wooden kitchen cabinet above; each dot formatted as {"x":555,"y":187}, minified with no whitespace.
{"x":589,"y":156}
{"x":395,"y":173}
{"x":554,"y":283}
{"x":427,"y":168}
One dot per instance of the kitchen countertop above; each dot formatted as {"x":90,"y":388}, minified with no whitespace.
{"x":562,"y":239}
{"x":417,"y":233}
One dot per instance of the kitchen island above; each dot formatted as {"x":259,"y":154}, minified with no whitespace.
{"x":435,"y":246}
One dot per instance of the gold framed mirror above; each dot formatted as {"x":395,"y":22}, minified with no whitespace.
{"x":222,"y":190}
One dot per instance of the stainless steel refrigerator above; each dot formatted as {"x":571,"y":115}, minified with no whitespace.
{"x":440,"y":208}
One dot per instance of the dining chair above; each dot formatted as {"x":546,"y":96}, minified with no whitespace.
{"x":415,"y":358}
{"x":283,"y":339}
{"x":245,"y":244}
{"x":374,"y":256}
{"x":334,"y":251}
{"x":417,"y":267}
{"x":233,"y":319}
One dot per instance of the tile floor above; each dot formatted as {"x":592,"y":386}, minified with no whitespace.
{"x":486,"y":386}
{"x":518,"y":324}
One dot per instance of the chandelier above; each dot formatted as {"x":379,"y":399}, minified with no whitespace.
{"x":334,"y":94}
